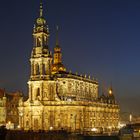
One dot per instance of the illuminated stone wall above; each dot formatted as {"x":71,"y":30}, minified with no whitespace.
{"x":2,"y":110}
{"x":70,"y":115}
{"x":60,"y":103}
{"x":74,"y":87}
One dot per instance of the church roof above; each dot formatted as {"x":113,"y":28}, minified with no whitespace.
{"x":65,"y":74}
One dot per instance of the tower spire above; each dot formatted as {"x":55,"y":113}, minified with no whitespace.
{"x":57,"y":40}
{"x":57,"y":61}
{"x":41,"y":8}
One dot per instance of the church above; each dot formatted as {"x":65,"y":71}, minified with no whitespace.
{"x":62,"y":100}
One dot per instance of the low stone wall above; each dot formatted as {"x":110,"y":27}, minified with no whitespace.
{"x":57,"y":135}
{"x":19,"y":135}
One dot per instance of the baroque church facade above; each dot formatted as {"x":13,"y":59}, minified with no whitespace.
{"x":59,"y":99}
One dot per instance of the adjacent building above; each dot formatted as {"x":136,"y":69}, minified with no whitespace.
{"x":59,"y":99}
{"x":9,"y":108}
{"x":2,"y":107}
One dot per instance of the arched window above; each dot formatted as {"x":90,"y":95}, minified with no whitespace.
{"x":39,"y":42}
{"x":44,"y":69}
{"x":27,"y":123}
{"x":37,"y":69}
{"x":38,"y":92}
{"x":36,"y":124}
{"x":51,"y":93}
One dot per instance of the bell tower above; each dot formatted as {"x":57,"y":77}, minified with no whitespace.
{"x":41,"y":57}
{"x":57,"y":57}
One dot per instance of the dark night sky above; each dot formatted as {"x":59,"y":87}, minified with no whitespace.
{"x":98,"y":37}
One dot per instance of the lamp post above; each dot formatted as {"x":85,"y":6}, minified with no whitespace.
{"x":130,"y":118}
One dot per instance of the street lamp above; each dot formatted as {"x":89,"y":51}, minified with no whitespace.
{"x":94,"y":130}
{"x":51,"y":128}
{"x":8,"y":125}
{"x":130,"y":118}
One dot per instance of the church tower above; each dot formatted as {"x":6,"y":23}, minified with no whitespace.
{"x":57,"y":57}
{"x":41,"y":58}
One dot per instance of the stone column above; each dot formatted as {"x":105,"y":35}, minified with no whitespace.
{"x":35,"y":68}
{"x":32,"y":68}
{"x":41,"y":92}
{"x":46,"y":68}
{"x":30,"y":92}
